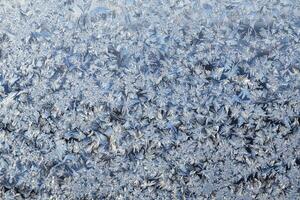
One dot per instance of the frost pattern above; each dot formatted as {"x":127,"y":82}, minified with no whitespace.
{"x":130,"y":99}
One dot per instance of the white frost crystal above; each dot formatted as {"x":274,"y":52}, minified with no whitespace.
{"x":130,"y":99}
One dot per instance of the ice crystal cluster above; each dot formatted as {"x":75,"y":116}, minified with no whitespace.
{"x":158,"y":99}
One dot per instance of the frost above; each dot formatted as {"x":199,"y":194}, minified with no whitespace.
{"x":149,"y":99}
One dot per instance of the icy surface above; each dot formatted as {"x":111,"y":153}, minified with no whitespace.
{"x":154,"y":99}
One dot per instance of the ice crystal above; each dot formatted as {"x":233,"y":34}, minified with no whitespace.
{"x":149,"y":99}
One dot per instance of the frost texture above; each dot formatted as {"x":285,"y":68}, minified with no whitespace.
{"x":151,"y":99}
